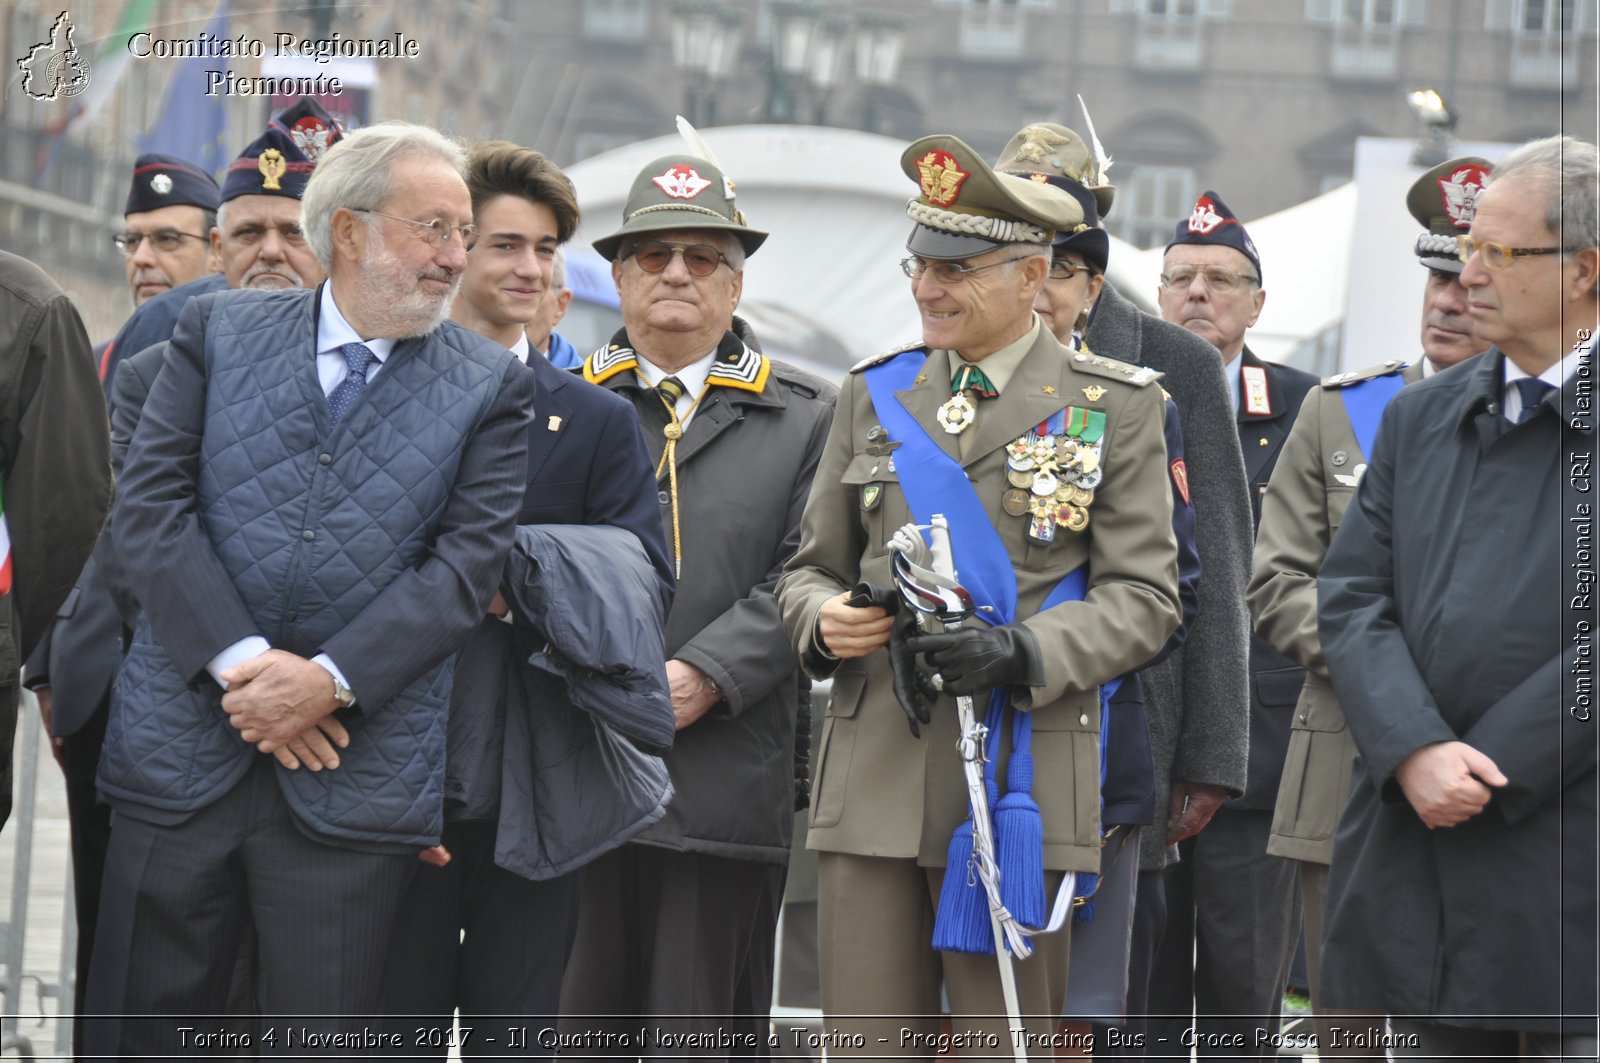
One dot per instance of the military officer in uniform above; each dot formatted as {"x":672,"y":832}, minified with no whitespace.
{"x":1315,"y":478}
{"x":981,"y":392}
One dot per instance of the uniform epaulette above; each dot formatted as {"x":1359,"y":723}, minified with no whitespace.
{"x":1371,"y":372}
{"x":1125,"y":372}
{"x":868,"y":363}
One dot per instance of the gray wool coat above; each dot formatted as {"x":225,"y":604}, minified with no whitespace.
{"x":1198,"y":699}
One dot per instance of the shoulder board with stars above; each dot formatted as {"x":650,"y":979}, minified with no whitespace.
{"x":1356,"y":376}
{"x":879,"y":359}
{"x":744,"y":369}
{"x":1137,"y":375}
{"x":607,"y":362}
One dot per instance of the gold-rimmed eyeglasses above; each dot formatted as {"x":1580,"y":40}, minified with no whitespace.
{"x":1063,"y":270}
{"x":946,"y":272}
{"x":437,"y":232}
{"x":1496,"y":255}
{"x":654,"y":256}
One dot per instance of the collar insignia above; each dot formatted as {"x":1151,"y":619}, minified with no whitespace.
{"x":1256,"y":398}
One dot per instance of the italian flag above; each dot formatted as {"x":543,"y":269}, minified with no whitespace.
{"x":5,"y":550}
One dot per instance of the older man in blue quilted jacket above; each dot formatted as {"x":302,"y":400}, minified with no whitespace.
{"x":314,"y":512}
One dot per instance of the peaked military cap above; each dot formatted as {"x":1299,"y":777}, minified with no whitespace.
{"x":1211,"y":222}
{"x":1043,"y":153}
{"x":167,"y":181}
{"x":680,"y":192}
{"x":279,"y":162}
{"x":966,"y":208}
{"x":1444,"y":201}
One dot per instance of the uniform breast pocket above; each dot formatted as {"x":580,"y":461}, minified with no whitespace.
{"x":1066,"y":765}
{"x":836,"y":748}
{"x":882,"y":507}
{"x":1316,"y":773}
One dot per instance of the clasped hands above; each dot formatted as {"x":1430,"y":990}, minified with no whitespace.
{"x":961,"y":662}
{"x":284,"y":704}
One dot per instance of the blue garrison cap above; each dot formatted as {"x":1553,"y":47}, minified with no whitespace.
{"x":1211,"y":222}
{"x":279,"y":162}
{"x":166,"y":181}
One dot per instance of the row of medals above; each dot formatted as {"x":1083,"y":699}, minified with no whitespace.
{"x":1052,"y":482}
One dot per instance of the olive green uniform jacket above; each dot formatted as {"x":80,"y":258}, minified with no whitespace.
{"x":1311,"y":487}
{"x":880,"y":792}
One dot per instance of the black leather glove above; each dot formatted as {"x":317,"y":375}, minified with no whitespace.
{"x":972,"y":660}
{"x":902,"y":661}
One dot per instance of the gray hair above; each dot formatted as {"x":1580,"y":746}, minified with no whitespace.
{"x":725,"y":242}
{"x":1567,"y":170}
{"x":359,"y":173}
{"x":558,"y":271}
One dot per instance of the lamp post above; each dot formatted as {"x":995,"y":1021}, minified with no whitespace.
{"x":794,"y":25}
{"x":880,"y":42}
{"x":705,"y":42}
{"x":1438,"y":126}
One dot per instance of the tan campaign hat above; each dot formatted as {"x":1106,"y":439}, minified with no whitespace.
{"x":1049,"y":148}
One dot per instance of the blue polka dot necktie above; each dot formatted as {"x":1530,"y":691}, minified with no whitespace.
{"x":1533,"y":390}
{"x":357,"y":356}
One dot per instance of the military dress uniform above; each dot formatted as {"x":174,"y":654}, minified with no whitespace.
{"x":880,"y":792}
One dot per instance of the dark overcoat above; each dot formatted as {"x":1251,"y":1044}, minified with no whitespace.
{"x":1198,"y":697}
{"x":745,"y":464}
{"x":1449,"y":602}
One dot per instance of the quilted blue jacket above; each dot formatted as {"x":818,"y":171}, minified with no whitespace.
{"x":331,"y":541}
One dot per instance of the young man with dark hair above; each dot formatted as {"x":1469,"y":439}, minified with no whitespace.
{"x":473,"y":932}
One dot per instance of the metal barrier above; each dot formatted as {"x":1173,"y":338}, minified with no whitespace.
{"x":14,"y":932}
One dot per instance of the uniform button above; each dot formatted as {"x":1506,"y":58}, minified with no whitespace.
{"x":1083,"y":719}
{"x":326,"y":459}
{"x":308,"y":535}
{"x":292,"y":616}
{"x":663,"y":498}
{"x":1302,"y":717}
{"x":1080,"y":358}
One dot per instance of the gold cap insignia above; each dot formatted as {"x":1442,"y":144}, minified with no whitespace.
{"x":272,"y":167}
{"x":1094,"y":392}
{"x":941,"y":177}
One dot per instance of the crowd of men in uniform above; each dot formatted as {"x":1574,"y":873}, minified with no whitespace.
{"x":426,"y":667}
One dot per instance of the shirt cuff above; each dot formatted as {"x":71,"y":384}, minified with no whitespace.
{"x":333,"y":669}
{"x":246,"y":648}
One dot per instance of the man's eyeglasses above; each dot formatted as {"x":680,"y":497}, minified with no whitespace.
{"x":164,"y":240}
{"x":701,"y":260}
{"x":946,"y":272}
{"x":1062,"y":270}
{"x":1218,"y":281}
{"x":437,"y":232}
{"x":1496,"y":255}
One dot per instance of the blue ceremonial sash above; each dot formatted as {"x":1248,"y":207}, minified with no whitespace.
{"x":934,"y":482}
{"x":1364,"y":403}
